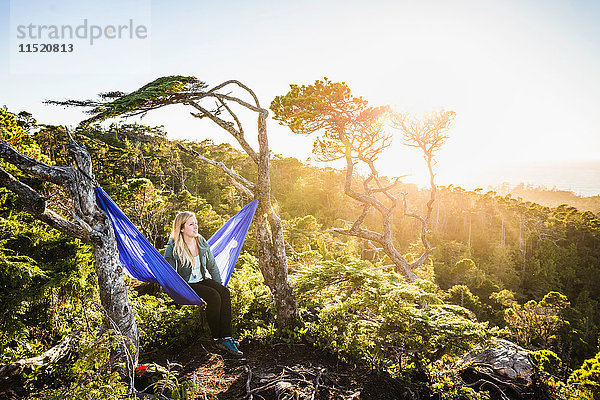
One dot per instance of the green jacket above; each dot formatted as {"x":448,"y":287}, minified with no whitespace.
{"x":207,"y":261}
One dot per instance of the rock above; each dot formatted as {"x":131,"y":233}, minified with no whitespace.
{"x":507,"y":360}
{"x":506,"y":371}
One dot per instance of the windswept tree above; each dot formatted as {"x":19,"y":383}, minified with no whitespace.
{"x":349,"y":129}
{"x":220,"y":106}
{"x":19,"y":162}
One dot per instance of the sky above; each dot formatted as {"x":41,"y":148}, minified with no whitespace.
{"x":522,"y":76}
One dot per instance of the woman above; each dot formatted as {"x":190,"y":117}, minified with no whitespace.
{"x":189,"y":253}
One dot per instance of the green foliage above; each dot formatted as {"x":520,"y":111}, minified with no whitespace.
{"x":88,"y":372}
{"x":152,"y":95}
{"x":524,"y":260}
{"x":536,"y":324}
{"x":432,"y":331}
{"x":448,"y":385}
{"x":588,"y":375}
{"x":96,"y":386}
{"x":43,"y":278}
{"x":162,"y":323}
{"x":379,"y":319}
{"x":462,"y":296}
{"x":305,"y":108}
{"x":252,"y":304}
{"x":302,"y":233}
{"x":525,"y":249}
{"x":555,"y":300}
{"x":547,"y":360}
{"x":463,"y":271}
{"x":19,"y":138}
{"x":164,"y":382}
{"x":331,"y":109}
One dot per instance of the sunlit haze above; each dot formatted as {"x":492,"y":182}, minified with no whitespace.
{"x":522,"y":76}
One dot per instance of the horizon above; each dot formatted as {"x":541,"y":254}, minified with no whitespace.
{"x":556,"y":176}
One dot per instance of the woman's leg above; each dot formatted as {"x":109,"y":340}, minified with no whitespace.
{"x":225,"y":309}
{"x":213,"y":306}
{"x":218,"y":313}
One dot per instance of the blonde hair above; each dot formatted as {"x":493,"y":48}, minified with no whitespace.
{"x":180,"y":248}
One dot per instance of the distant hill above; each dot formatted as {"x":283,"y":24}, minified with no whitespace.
{"x":555,"y":197}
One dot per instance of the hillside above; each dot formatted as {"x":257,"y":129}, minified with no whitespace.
{"x":555,"y":197}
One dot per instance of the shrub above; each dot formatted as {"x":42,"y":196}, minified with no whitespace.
{"x":378,"y":318}
{"x":161,"y":322}
{"x":251,"y":301}
{"x":547,"y":360}
{"x":588,"y":375}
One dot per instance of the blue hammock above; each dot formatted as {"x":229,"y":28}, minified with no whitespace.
{"x":143,"y":262}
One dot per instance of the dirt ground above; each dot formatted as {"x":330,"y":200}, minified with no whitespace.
{"x":281,"y":371}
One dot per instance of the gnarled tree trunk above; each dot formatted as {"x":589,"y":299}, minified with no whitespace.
{"x":271,"y":252}
{"x":90,"y":225}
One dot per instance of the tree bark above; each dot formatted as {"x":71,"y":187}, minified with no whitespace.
{"x":272,"y":257}
{"x":91,"y":225}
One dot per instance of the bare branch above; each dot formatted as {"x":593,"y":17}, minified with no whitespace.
{"x":235,"y":118}
{"x":37,"y":168}
{"x":50,"y":356}
{"x":360,"y":232}
{"x":424,"y":231}
{"x":237,"y":179}
{"x":243,"y":189}
{"x":383,"y":267}
{"x":361,"y":217}
{"x":428,"y":133}
{"x":382,"y":189}
{"x":228,"y":126}
{"x":35,"y":204}
{"x":241,"y":102}
{"x":363,"y":198}
{"x":237,"y":100}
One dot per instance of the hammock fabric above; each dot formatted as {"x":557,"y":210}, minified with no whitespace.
{"x":143,"y":262}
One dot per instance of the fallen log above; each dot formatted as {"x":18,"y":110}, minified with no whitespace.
{"x":48,"y":357}
{"x":12,"y":383}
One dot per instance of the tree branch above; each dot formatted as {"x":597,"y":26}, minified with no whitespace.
{"x":35,"y":204}
{"x":235,"y":118}
{"x":237,"y":100}
{"x":361,"y":217}
{"x":48,"y":357}
{"x":228,"y":126}
{"x":360,"y":232}
{"x":241,"y":102}
{"x":238,"y":180}
{"x":363,"y":198}
{"x":37,"y":168}
{"x":424,"y":230}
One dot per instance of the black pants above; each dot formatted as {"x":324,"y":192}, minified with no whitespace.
{"x":218,"y":306}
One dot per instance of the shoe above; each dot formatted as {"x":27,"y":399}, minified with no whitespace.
{"x":235,"y":341}
{"x":228,"y":345}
